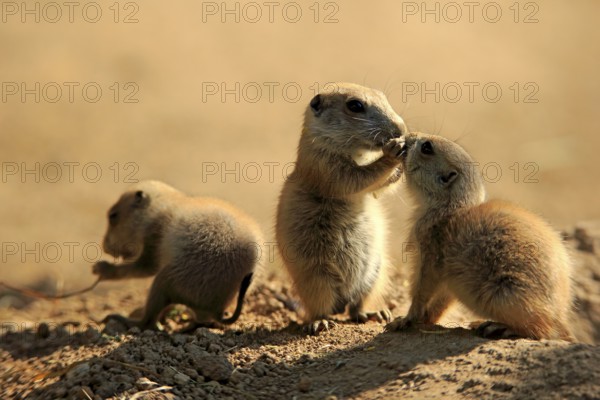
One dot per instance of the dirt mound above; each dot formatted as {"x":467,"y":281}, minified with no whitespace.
{"x":266,"y":354}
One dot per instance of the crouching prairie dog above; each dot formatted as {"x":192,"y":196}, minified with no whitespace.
{"x":501,"y":261}
{"x":330,"y":227}
{"x":203,"y":252}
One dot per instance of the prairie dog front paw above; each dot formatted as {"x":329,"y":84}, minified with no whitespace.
{"x":393,"y":149}
{"x":105,"y":270}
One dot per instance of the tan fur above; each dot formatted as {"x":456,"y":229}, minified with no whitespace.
{"x":200,"y":250}
{"x":330,"y":227}
{"x":501,"y":261}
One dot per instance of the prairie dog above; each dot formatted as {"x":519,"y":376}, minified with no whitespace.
{"x":500,"y":260}
{"x":330,"y":228}
{"x":203,"y":251}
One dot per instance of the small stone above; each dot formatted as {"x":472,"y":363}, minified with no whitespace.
{"x":192,"y":373}
{"x":168,"y":374}
{"x":149,"y":356}
{"x":213,"y":367}
{"x":237,"y":377}
{"x":178,"y":339}
{"x":77,"y":371}
{"x":214,"y":348}
{"x":122,"y":378}
{"x":174,"y":352}
{"x":181,"y":379}
{"x":212,"y":387}
{"x":134,"y":330}
{"x":205,"y":334}
{"x":107,"y":389}
{"x":304,"y":384}
{"x":260,"y":368}
{"x":75,"y":392}
{"x":147,"y":334}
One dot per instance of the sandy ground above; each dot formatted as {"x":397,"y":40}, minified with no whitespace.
{"x":58,"y":352}
{"x":192,"y":106}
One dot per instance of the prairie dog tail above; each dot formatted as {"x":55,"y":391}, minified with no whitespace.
{"x":240,"y":301}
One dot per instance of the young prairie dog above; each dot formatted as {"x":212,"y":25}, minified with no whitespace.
{"x":501,"y":261}
{"x":330,"y":228}
{"x":203,"y":252}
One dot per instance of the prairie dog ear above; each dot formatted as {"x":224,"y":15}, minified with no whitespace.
{"x":141,"y":199}
{"x":447,"y":179}
{"x":316,"y":104}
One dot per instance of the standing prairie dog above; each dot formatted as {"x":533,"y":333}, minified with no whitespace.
{"x":330,"y":227}
{"x":501,"y":261}
{"x":203,"y":251}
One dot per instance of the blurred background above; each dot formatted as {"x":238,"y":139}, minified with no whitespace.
{"x":209,"y":97}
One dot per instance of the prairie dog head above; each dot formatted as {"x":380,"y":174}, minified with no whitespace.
{"x":131,"y":216}
{"x":440,"y":172}
{"x":351,"y":117}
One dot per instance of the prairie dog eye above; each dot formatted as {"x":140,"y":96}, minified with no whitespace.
{"x":112,"y":217}
{"x":427,"y":148}
{"x":356,"y":106}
